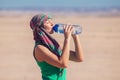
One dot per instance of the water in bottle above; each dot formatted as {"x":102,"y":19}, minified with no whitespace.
{"x":77,"y":29}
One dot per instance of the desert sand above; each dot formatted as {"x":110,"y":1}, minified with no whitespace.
{"x":100,"y":40}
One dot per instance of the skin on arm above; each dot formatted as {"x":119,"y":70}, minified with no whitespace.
{"x":76,"y":55}
{"x":44,"y":54}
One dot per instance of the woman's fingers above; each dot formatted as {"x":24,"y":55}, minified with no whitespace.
{"x":68,"y":30}
{"x":68,"y":27}
{"x":65,"y":28}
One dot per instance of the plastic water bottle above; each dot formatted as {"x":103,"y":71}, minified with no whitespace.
{"x":77,"y":29}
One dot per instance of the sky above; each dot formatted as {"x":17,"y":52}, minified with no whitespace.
{"x":4,"y":4}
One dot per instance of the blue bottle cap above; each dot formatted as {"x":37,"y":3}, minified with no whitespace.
{"x":55,"y":27}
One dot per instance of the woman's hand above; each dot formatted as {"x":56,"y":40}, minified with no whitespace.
{"x":74,"y":35}
{"x":67,"y":31}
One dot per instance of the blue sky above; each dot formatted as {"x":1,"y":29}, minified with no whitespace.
{"x":59,"y":3}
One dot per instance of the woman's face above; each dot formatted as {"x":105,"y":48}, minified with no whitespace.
{"x":48,"y":25}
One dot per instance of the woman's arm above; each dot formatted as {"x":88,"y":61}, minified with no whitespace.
{"x":76,"y":55}
{"x":44,"y":54}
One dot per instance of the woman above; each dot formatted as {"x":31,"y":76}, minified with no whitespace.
{"x":49,"y":56}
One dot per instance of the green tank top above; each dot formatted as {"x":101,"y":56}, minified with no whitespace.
{"x":50,"y":72}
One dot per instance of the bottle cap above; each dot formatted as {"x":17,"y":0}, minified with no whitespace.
{"x":55,"y":27}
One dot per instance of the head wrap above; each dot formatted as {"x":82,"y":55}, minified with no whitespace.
{"x":38,"y":21}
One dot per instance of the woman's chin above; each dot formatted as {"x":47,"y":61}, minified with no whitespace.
{"x":51,"y":32}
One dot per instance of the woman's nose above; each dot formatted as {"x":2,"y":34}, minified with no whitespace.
{"x":52,"y":23}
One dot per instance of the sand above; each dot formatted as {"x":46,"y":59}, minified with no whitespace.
{"x":100,"y":40}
